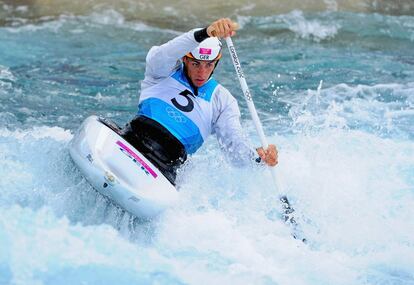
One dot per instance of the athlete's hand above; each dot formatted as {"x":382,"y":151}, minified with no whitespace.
{"x":222,"y":28}
{"x":269,"y":156}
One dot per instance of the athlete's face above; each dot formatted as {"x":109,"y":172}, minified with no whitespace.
{"x":199,"y":71}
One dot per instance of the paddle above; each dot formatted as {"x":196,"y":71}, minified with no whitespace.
{"x":287,"y":209}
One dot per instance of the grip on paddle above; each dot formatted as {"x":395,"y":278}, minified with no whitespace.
{"x":234,"y":26}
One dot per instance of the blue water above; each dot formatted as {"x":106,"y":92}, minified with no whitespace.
{"x":346,"y":155}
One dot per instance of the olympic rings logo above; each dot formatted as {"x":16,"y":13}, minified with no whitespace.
{"x":177,"y":116}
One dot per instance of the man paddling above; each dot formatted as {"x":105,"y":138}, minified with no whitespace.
{"x":181,"y":104}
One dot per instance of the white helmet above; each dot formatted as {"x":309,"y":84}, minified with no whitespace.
{"x":209,"y":49}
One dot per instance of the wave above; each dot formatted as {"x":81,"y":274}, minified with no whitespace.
{"x":383,"y":109}
{"x":184,"y":14}
{"x":317,"y":27}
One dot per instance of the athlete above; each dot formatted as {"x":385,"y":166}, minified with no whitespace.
{"x":181,"y":104}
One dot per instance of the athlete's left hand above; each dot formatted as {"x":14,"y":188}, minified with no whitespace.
{"x":269,"y":156}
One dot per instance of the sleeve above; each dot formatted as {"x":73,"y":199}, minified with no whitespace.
{"x":228,"y":130}
{"x":162,"y":60}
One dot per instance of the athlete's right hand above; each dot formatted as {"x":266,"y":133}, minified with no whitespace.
{"x":222,"y":28}
{"x":269,"y":155}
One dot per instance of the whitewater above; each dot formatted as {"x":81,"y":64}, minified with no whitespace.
{"x":346,"y":153}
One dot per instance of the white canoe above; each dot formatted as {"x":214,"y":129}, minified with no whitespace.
{"x":120,"y":172}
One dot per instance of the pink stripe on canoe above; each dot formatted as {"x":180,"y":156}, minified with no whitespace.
{"x":137,"y":158}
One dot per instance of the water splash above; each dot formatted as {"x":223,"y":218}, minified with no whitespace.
{"x":310,"y":29}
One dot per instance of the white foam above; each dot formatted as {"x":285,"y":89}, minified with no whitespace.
{"x":107,"y":17}
{"x":56,"y":133}
{"x":351,"y":191}
{"x":42,"y":246}
{"x":316,"y":30}
{"x":5,"y":73}
{"x":331,"y":5}
{"x":103,"y":17}
{"x":379,"y":108}
{"x":6,"y":79}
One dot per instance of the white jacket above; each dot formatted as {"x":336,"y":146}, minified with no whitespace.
{"x":214,"y":110}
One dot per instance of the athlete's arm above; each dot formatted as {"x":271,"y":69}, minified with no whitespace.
{"x":226,"y":117}
{"x":163,"y":60}
{"x":227,"y":127}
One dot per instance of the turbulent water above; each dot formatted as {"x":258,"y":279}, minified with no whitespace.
{"x":346,"y":152}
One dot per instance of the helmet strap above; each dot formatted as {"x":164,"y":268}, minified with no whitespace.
{"x":215,"y":66}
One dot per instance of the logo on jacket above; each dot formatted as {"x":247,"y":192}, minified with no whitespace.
{"x":177,"y":116}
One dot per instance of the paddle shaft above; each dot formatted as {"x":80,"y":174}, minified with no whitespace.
{"x":250,"y":105}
